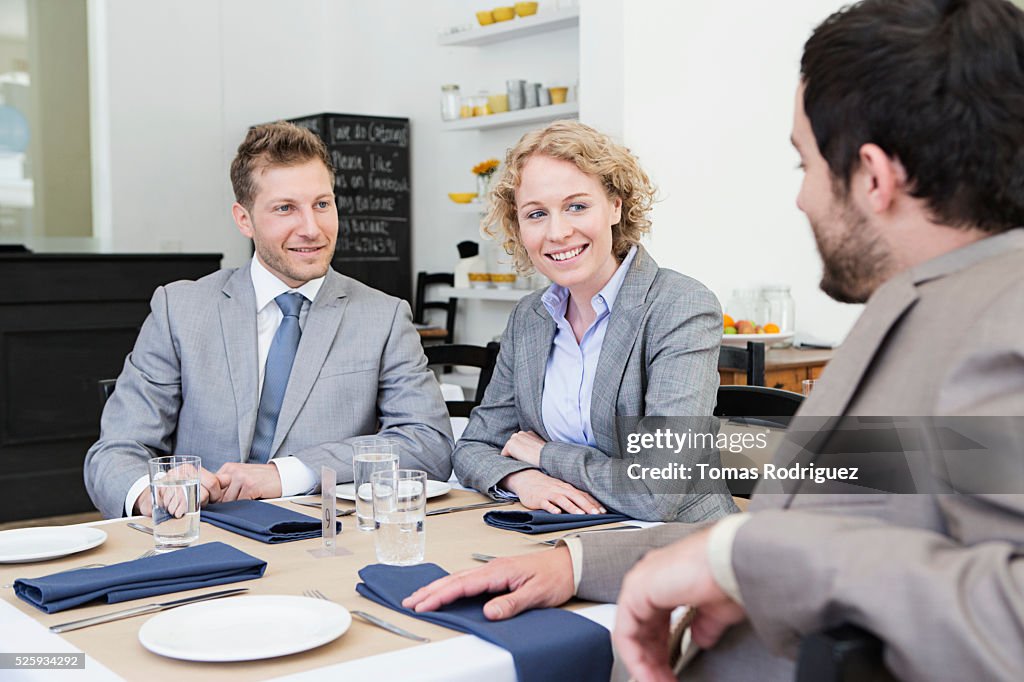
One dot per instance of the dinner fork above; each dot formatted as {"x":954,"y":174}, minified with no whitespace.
{"x":371,"y":619}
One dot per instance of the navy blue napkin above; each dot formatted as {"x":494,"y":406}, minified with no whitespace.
{"x":213,"y":563}
{"x":547,"y":645}
{"x":533,"y":522}
{"x":262,"y":521}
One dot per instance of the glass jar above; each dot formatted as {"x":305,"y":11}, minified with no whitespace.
{"x":450,"y":102}
{"x":745,"y":304}
{"x":779,"y":309}
{"x":480,"y":106}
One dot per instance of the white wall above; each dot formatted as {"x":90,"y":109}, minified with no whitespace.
{"x":701,"y":91}
{"x":181,"y":83}
{"x":707,"y":105}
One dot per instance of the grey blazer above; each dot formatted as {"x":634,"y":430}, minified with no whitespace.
{"x":189,"y":386}
{"x":938,"y":577}
{"x":659,"y":357}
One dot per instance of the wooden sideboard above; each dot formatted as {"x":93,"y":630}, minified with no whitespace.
{"x":785,"y":368}
{"x":66,"y":321}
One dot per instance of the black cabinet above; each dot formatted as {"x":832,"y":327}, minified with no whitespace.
{"x":66,"y":321}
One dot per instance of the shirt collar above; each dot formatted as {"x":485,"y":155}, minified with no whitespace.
{"x":268,"y":287}
{"x":556,"y":298}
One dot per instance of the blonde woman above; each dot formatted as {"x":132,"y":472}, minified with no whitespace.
{"x":613,"y":336}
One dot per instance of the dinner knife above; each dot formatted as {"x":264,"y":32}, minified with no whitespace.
{"x":374,"y":620}
{"x":142,"y":610}
{"x":140,"y":527}
{"x":479,"y":505}
{"x":341,"y":512}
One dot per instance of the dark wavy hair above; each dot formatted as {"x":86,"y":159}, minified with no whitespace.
{"x":936,"y":84}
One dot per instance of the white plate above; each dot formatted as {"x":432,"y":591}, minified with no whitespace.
{"x":38,"y":544}
{"x":244,"y":628}
{"x":347,"y":491}
{"x":741,"y":339}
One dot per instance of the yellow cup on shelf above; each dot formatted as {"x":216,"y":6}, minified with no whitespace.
{"x":525,"y":9}
{"x":498,"y":104}
{"x":503,"y":13}
{"x":558,"y":95}
{"x":485,"y":17}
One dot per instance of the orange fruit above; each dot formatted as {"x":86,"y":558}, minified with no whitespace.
{"x":729,"y":322}
{"x":771,"y":328}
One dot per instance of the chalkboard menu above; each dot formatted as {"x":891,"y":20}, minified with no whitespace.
{"x":370,"y":155}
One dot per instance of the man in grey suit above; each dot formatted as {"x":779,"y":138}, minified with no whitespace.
{"x":269,"y":371}
{"x":908,"y":125}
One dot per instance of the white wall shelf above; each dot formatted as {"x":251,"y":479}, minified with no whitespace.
{"x":474,"y":207}
{"x":490,"y":294}
{"x":520,"y":27}
{"x":551,"y":112}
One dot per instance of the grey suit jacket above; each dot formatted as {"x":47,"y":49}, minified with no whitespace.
{"x":938,"y":577}
{"x":189,"y":386}
{"x":659,"y":357}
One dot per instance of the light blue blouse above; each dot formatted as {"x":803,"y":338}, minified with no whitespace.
{"x":571,"y":367}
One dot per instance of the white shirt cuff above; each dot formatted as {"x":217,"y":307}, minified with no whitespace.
{"x":139,"y":487}
{"x":296,"y":477}
{"x":720,"y":542}
{"x":576,"y":554}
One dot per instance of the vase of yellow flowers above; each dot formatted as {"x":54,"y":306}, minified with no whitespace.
{"x":484,"y":172}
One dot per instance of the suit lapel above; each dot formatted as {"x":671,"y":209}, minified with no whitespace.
{"x":238,"y":327}
{"x":536,"y":342}
{"x":318,"y":336}
{"x":844,"y":373}
{"x":623,"y":328}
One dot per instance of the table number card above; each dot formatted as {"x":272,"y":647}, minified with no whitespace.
{"x":328,"y":516}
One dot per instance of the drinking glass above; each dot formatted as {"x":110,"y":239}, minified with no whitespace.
{"x":174,"y":485}
{"x":371,"y":455}
{"x":806,"y":386}
{"x":399,"y":509}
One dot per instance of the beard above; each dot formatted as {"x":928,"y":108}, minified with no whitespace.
{"x":855,"y":257}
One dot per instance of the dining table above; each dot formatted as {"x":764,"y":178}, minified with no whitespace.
{"x":113,"y":650}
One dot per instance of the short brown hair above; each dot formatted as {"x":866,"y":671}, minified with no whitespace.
{"x":273,"y":144}
{"x":594,"y":153}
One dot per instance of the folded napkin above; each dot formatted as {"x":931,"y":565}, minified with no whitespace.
{"x":547,"y":645}
{"x":185,"y":569}
{"x":262,"y":521}
{"x":533,"y":522}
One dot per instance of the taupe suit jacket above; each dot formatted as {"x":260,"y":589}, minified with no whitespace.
{"x":937,"y":577}
{"x":189,"y":386}
{"x":659,"y":357}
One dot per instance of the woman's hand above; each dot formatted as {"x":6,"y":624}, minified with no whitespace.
{"x":524,"y":446}
{"x":537,"y":490}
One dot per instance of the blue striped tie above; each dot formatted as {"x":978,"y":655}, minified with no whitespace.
{"x":275,"y":378}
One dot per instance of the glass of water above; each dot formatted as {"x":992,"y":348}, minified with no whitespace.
{"x":371,"y":455}
{"x":399,"y":509}
{"x":174,"y":485}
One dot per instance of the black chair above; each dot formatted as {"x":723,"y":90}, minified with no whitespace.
{"x":424,"y":280}
{"x":471,"y":356}
{"x":845,"y":653}
{"x":750,"y":360}
{"x":755,"y":406}
{"x":106,"y":387}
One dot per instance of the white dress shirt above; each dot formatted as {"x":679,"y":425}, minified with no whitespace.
{"x":296,"y":477}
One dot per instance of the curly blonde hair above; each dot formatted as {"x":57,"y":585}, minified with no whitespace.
{"x":594,"y":153}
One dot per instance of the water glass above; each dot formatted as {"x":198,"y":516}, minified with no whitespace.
{"x":174,"y":485}
{"x":399,"y":509}
{"x":806,"y":386}
{"x":371,"y":455}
